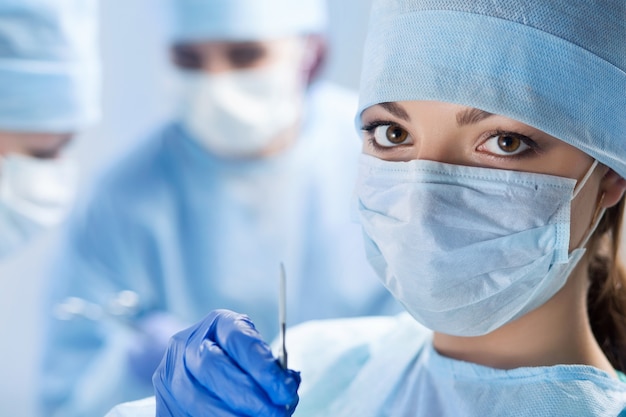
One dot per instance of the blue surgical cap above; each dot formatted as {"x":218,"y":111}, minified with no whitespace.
{"x":49,"y":78}
{"x":235,"y":20}
{"x":557,"y":65}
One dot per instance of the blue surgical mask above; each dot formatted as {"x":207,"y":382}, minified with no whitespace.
{"x":466,"y":249}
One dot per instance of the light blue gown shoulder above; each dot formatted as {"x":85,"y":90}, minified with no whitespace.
{"x":387,"y":366}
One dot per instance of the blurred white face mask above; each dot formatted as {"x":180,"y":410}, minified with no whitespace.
{"x":35,"y":194}
{"x":239,"y":113}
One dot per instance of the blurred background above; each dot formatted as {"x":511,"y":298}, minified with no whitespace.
{"x":137,"y":82}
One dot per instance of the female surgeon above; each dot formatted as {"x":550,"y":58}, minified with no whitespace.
{"x":49,"y":91}
{"x":491,"y":194}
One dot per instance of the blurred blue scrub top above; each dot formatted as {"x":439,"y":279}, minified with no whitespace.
{"x":387,"y":366}
{"x":191,"y":233}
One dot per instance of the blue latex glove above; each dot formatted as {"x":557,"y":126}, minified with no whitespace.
{"x":222,"y":367}
{"x":152,"y":336}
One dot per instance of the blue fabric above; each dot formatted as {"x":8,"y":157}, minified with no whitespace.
{"x":49,"y":76}
{"x":373,"y":367}
{"x":447,"y":387}
{"x":167,"y":224}
{"x":551,"y":64}
{"x":399,"y":362}
{"x":246,"y":19}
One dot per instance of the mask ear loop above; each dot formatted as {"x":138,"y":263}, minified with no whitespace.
{"x":583,"y":181}
{"x":597,"y":217}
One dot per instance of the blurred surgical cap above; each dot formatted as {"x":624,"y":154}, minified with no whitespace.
{"x":49,"y":69}
{"x":235,"y":20}
{"x":558,"y":65}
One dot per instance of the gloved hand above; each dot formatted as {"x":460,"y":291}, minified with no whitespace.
{"x":150,"y":343}
{"x":222,"y":367}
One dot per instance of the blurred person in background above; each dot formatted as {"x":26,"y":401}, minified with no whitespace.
{"x":49,"y":91}
{"x":49,"y":94}
{"x":258,"y":169}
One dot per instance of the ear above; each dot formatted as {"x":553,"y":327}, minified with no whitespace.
{"x":613,"y":186}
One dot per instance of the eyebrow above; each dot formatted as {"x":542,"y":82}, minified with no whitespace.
{"x":396,"y":110}
{"x":471,"y":116}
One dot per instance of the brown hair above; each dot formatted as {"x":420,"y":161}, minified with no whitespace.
{"x":606,"y":300}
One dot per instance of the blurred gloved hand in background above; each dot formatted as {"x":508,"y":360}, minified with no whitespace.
{"x":153,"y":334}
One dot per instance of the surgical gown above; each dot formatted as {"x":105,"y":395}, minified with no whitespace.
{"x":190,"y":233}
{"x":387,"y":366}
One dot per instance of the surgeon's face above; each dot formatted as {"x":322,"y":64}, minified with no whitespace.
{"x":216,"y":57}
{"x":455,"y":134}
{"x":37,"y":145}
{"x":460,"y":135}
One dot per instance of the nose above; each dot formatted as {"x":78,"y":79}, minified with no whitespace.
{"x":216,"y":65}
{"x":440,"y":146}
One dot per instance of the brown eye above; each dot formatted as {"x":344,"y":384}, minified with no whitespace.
{"x":396,"y":135}
{"x":509,"y":143}
{"x":390,"y":135}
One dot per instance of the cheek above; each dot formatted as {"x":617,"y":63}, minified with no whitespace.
{"x":369,"y":149}
{"x":9,"y":144}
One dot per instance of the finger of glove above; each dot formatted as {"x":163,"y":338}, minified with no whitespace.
{"x":224,"y":379}
{"x":247,"y":348}
{"x":175,"y":403}
{"x":237,"y":337}
{"x":179,"y":394}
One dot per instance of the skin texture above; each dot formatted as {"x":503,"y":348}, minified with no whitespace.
{"x":218,"y":57}
{"x":559,"y":331}
{"x":37,"y":145}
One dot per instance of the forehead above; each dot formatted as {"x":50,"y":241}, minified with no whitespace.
{"x":404,"y":110}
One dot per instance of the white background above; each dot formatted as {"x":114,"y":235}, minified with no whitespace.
{"x":134,"y":77}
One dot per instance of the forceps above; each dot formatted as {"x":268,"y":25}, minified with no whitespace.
{"x":122,"y":308}
{"x":282,"y":317}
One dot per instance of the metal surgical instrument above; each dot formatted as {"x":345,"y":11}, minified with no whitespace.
{"x":123,"y":308}
{"x":282,"y":317}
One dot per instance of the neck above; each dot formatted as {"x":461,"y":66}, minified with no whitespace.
{"x":556,"y":333}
